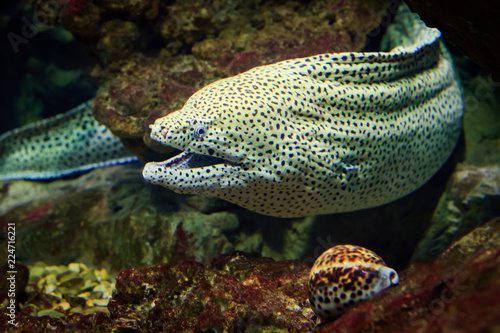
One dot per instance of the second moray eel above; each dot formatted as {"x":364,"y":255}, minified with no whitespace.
{"x":67,"y":143}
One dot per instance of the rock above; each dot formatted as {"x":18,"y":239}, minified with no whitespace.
{"x":235,"y":292}
{"x":65,"y":306}
{"x":472,"y":27}
{"x":457,"y":291}
{"x":89,"y":275}
{"x":50,"y":313}
{"x":56,"y":293}
{"x":71,"y":285}
{"x":481,"y":118}
{"x":238,"y":292}
{"x":101,"y":302}
{"x":471,"y":199}
{"x":76,"y":267}
{"x":65,"y":276}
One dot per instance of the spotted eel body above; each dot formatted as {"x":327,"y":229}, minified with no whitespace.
{"x":324,"y":134}
{"x":61,"y":145}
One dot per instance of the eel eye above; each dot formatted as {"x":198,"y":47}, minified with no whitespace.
{"x":199,"y":131}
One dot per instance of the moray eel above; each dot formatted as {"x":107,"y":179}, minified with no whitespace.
{"x":325,"y":134}
{"x":58,"y":146}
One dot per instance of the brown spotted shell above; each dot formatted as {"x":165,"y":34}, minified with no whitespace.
{"x":344,"y":275}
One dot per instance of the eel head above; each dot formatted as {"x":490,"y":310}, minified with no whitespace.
{"x":222,"y":139}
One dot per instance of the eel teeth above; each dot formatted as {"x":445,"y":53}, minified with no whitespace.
{"x":187,"y":160}
{"x":178,"y":161}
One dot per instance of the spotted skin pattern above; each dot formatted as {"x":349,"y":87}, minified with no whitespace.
{"x":345,"y":275}
{"x":61,"y":145}
{"x":325,"y":134}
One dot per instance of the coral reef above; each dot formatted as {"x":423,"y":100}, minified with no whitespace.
{"x":233,"y":293}
{"x":458,"y":290}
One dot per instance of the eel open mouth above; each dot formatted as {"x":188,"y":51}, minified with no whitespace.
{"x":192,"y":160}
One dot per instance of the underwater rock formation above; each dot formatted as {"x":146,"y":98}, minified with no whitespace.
{"x":458,"y":290}
{"x":481,"y":118}
{"x":43,"y":68}
{"x":472,"y":194}
{"x":471,"y":199}
{"x":233,"y":293}
{"x":472,"y":27}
